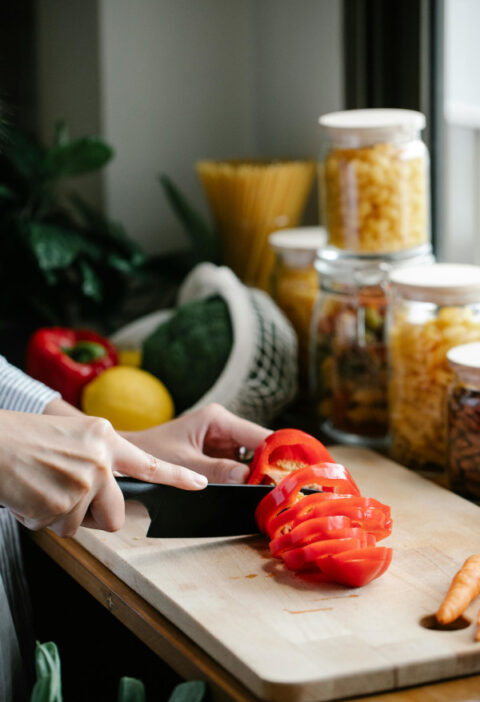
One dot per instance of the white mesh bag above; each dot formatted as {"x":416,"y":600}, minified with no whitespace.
{"x":260,"y":376}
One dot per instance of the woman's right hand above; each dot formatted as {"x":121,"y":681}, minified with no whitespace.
{"x":58,"y":471}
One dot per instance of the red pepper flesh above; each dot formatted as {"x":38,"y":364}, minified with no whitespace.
{"x":283,"y":451}
{"x":66,"y":360}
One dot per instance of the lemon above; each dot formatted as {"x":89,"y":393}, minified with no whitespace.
{"x":130,"y":398}
{"x":130,"y":357}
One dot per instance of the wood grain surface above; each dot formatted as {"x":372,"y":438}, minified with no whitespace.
{"x":286,"y":639}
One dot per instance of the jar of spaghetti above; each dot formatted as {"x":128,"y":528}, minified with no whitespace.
{"x":463,"y":418}
{"x":295,"y":282}
{"x":374,"y":180}
{"x":348,"y":343}
{"x":434,"y":308}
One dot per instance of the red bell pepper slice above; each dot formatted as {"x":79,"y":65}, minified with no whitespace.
{"x":361,"y":514}
{"x":356,"y":567}
{"x":66,"y":360}
{"x":326,"y":476}
{"x":311,"y":530}
{"x":310,"y":556}
{"x":284,"y":451}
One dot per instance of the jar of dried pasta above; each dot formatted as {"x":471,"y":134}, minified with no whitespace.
{"x":348,"y":342}
{"x":295,"y":284}
{"x":433,"y":309}
{"x":463,"y":420}
{"x":374,"y":180}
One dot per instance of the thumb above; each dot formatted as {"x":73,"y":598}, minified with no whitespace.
{"x":131,"y":460}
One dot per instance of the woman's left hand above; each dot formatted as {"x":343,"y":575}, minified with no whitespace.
{"x":206,"y":441}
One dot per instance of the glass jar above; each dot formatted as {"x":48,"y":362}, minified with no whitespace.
{"x":433,"y":309}
{"x":348,"y":342}
{"x":295,"y":284}
{"x":463,"y":421}
{"x":374,"y":180}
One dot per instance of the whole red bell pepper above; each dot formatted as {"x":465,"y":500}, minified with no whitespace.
{"x":66,"y":359}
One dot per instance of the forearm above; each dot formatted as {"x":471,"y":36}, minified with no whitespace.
{"x":20,"y":393}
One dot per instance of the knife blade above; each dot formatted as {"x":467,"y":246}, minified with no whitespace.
{"x":217,"y":510}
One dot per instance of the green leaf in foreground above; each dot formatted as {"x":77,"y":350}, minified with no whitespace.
{"x":48,"y":687}
{"x":131,"y":690}
{"x":192,"y":691}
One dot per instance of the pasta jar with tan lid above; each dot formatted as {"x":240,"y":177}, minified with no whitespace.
{"x":433,"y":309}
{"x":348,"y":342}
{"x":463,"y":420}
{"x":374,"y":180}
{"x":294,"y":283}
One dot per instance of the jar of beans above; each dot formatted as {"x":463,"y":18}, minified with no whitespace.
{"x":463,"y":419}
{"x":374,"y":180}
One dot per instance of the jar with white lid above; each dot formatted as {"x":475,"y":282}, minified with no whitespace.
{"x":463,"y":420}
{"x":433,"y":309}
{"x":294,"y":284}
{"x":374,"y":180}
{"x":348,"y":342}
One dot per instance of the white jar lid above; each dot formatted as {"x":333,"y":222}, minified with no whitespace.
{"x":373,"y":125}
{"x":299,"y":239}
{"x":465,"y":356}
{"x":298,"y":247}
{"x":440,"y":283}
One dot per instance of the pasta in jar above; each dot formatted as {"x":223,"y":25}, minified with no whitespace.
{"x":435,"y":308}
{"x":375,"y":181}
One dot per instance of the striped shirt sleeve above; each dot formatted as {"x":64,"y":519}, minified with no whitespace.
{"x":21,"y":393}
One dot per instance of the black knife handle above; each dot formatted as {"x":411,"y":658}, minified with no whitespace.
{"x":137,"y":490}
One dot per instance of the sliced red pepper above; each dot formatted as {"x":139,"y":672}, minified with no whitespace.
{"x":332,"y":477}
{"x":309,"y":556}
{"x":66,"y":360}
{"x":323,"y":504}
{"x":284,"y":451}
{"x":356,"y":567}
{"x":311,"y":530}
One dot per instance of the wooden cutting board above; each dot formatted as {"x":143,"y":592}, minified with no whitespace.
{"x":288,"y":640}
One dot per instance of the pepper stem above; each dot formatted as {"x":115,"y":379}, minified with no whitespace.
{"x":85,"y":351}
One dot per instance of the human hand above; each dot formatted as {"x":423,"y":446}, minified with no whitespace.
{"x":206,"y":441}
{"x":57,"y":471}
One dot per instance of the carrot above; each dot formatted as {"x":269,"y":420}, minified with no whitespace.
{"x":463,"y":590}
{"x":477,"y":632}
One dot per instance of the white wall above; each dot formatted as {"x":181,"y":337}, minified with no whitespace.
{"x":180,"y":80}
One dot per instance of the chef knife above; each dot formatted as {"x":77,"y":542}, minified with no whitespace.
{"x":217,"y":510}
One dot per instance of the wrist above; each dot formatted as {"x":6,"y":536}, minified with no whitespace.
{"x":61,"y":408}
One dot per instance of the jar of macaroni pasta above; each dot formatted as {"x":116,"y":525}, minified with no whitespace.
{"x":463,"y":420}
{"x":295,"y":284}
{"x":433,"y":309}
{"x":374,"y":180}
{"x":348,"y":342}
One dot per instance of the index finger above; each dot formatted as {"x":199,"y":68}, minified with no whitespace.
{"x":131,"y":460}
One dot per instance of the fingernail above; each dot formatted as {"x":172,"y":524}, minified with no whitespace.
{"x":200,"y":480}
{"x":238,"y":474}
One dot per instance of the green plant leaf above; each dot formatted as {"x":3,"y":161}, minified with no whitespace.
{"x":131,"y":690}
{"x":78,"y":157}
{"x":60,"y":135}
{"x":6,"y":193}
{"x":109,"y":232}
{"x":25,"y":154}
{"x":192,"y":691}
{"x":91,"y":283}
{"x":53,"y":247}
{"x":203,"y":239}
